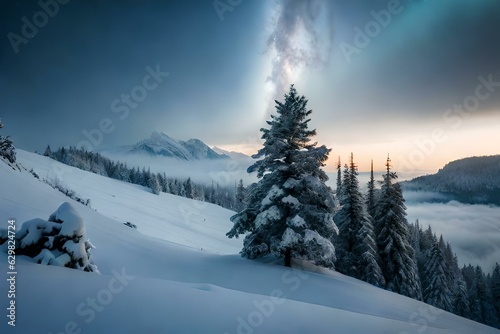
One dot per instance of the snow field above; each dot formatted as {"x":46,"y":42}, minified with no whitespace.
{"x":157,"y":279}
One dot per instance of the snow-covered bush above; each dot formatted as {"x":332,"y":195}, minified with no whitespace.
{"x":7,"y":149}
{"x":61,"y":240}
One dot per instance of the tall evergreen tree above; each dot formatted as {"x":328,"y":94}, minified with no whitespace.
{"x":415,"y":232}
{"x":289,"y":213}
{"x":371,"y":204}
{"x":480,"y":297}
{"x":456,"y":282}
{"x":397,"y":257}
{"x":357,"y":253}
{"x":339,"y":177}
{"x":461,"y":304}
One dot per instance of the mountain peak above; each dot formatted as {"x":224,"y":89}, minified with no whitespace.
{"x":158,"y":136}
{"x":161,"y":144}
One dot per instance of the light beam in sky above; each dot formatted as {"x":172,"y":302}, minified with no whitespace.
{"x":300,"y":36}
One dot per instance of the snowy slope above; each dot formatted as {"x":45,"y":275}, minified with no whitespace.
{"x":188,"y":222}
{"x":164,"y":283}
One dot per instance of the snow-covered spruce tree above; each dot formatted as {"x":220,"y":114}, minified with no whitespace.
{"x":188,"y":186}
{"x":461,"y":305}
{"x":289,"y":212}
{"x":397,"y":256}
{"x":356,"y":249}
{"x":153,"y":183}
{"x":61,"y":240}
{"x":481,"y":300}
{"x":7,"y":149}
{"x":437,"y":292}
{"x":456,"y":283}
{"x":48,"y":152}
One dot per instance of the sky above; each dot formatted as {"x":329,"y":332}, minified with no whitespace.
{"x":419,"y":80}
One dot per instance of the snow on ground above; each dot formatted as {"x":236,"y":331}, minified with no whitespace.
{"x":161,"y":282}
{"x":188,"y":222}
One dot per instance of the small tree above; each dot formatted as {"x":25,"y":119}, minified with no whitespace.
{"x":153,"y":183}
{"x":240,"y":196}
{"x":188,"y":187}
{"x":289,"y":213}
{"x":7,"y":149}
{"x":48,"y":152}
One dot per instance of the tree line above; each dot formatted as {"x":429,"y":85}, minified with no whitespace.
{"x":229,"y":197}
{"x":377,"y":245}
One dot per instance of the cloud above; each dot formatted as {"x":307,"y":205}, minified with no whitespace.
{"x":472,"y":230}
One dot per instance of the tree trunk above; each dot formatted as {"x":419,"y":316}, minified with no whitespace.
{"x":288,"y":257}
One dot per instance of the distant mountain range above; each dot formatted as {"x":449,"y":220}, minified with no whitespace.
{"x":474,"y":180}
{"x":184,"y":159}
{"x":194,"y":149}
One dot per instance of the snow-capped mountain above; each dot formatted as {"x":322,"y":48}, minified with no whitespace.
{"x":161,"y":144}
{"x":184,"y":159}
{"x":231,"y":154}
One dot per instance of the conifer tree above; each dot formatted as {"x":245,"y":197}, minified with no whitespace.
{"x":461,"y":305}
{"x":188,"y":187}
{"x":495,"y":291}
{"x":289,"y":212}
{"x":370,"y":196}
{"x":48,"y":152}
{"x":357,"y":254}
{"x":339,"y":178}
{"x":7,"y":149}
{"x":240,"y":195}
{"x":153,"y":183}
{"x":483,"y":310}
{"x":437,"y":292}
{"x":397,"y":256}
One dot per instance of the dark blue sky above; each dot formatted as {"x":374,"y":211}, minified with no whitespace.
{"x":388,"y":96}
